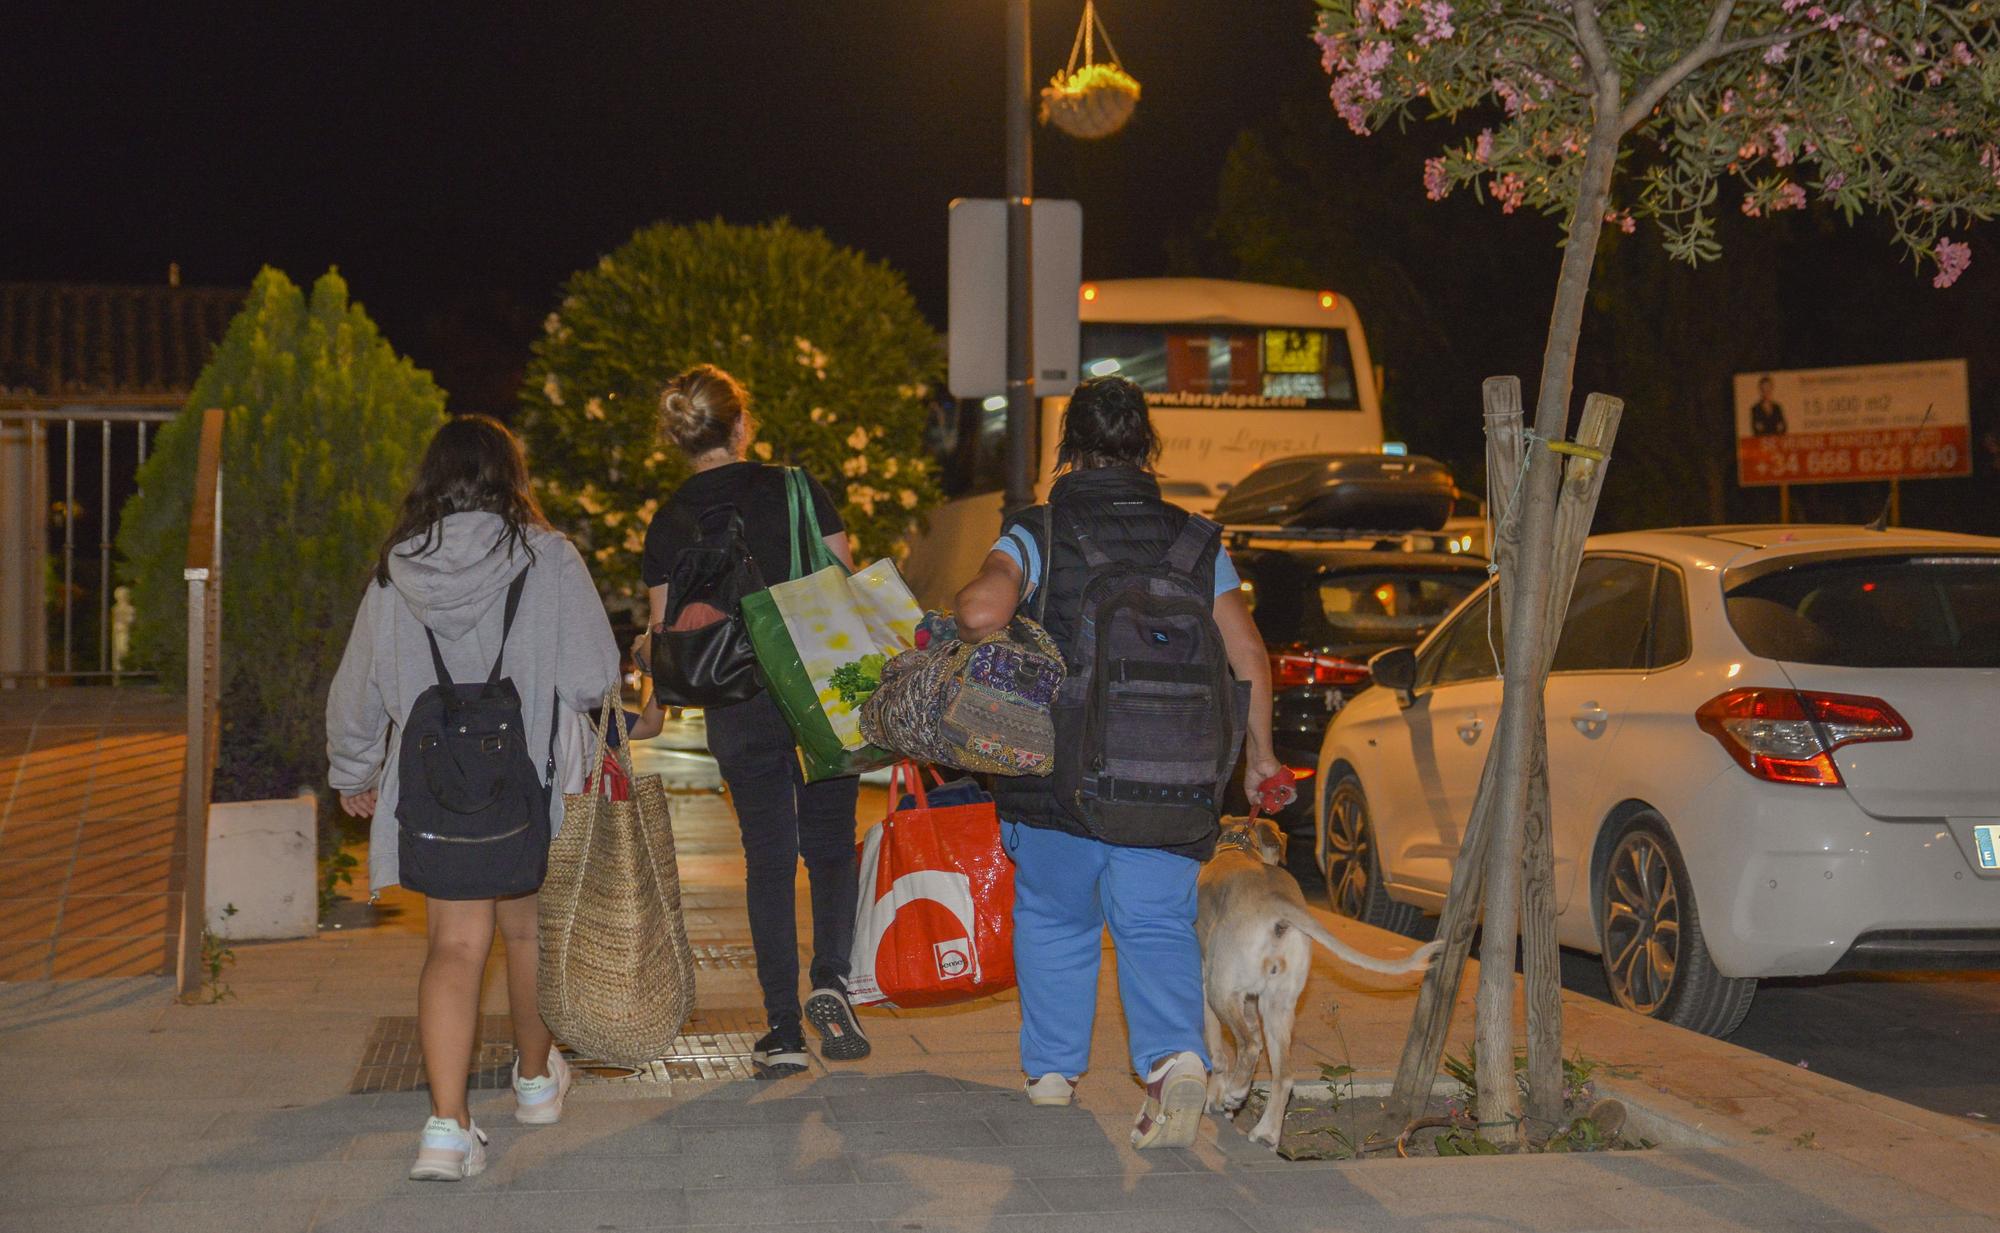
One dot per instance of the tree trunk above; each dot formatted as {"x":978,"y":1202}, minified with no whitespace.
{"x":1533,"y":536}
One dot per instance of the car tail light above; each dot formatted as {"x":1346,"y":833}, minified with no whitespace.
{"x":1788,"y":736}
{"x":1293,"y":669}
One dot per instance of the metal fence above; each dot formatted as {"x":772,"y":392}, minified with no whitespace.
{"x":66,"y":473}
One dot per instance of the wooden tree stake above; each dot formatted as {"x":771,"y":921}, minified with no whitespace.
{"x":1432,"y":1019}
{"x":1541,"y":962}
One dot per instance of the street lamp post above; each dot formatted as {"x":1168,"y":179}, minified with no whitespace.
{"x":1020,"y":264}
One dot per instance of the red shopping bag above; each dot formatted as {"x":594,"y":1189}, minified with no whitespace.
{"x":935,"y":924}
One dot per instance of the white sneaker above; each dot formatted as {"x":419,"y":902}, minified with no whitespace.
{"x":1051,"y":1090}
{"x":1176,"y":1091}
{"x":449,"y":1152}
{"x":539,"y":1102}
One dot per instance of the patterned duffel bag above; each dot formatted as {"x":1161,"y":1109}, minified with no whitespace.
{"x":979,"y":706}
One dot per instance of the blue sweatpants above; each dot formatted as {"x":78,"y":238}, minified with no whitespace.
{"x":1066,"y":889}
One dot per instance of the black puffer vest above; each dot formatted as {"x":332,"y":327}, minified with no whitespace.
{"x":1120,"y":508}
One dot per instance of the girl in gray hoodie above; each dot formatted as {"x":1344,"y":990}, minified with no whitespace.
{"x":469,"y":526}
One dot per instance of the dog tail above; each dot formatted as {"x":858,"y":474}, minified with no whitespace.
{"x":1303,"y":921}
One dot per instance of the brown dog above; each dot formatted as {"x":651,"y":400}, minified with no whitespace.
{"x":1253,"y":924}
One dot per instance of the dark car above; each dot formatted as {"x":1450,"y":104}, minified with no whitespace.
{"x":1323,"y":610}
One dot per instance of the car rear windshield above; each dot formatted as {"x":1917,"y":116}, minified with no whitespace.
{"x":1932,"y":611}
{"x":1387,"y":608}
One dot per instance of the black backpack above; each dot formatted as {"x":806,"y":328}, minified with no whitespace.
{"x":473,"y":817}
{"x":710,"y":664}
{"x":1150,"y":704}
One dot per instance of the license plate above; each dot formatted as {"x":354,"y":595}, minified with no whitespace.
{"x":1986,"y":838}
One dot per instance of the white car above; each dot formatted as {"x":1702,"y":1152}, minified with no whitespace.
{"x":1773,"y":751}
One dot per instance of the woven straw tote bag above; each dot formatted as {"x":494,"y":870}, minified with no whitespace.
{"x":617,"y":974}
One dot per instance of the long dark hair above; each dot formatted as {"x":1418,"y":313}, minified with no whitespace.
{"x":473,"y":463}
{"x":1106,"y":425}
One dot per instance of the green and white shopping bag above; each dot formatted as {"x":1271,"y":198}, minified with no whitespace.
{"x":821,"y":641}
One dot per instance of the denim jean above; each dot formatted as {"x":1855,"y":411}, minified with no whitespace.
{"x":782,"y":818}
{"x":1066,"y":890}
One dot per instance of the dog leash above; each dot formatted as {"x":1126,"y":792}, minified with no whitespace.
{"x":1275,"y":793}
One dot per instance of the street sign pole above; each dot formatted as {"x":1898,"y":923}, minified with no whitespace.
{"x":1020,"y":262}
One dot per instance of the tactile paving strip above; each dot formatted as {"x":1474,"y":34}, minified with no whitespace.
{"x":713,"y":1048}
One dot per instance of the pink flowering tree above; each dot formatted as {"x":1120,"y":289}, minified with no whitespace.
{"x":1661,"y":112}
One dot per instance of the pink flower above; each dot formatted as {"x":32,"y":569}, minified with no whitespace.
{"x":1437,"y":22}
{"x":1781,"y":148}
{"x":1790,"y":197}
{"x":1510,"y":191}
{"x":1389,"y":13}
{"x":1989,"y":158}
{"x":1437,"y":182}
{"x":1835,"y":182}
{"x":1622,"y":219}
{"x":1482,"y":149}
{"x":1952,"y":258}
{"x":1775,"y":54}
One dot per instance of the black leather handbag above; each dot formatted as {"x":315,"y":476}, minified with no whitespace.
{"x":701,"y":654}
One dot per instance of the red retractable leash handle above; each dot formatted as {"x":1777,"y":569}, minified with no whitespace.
{"x":1276,"y":792}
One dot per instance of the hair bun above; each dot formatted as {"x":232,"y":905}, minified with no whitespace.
{"x":679,"y":408}
{"x":701,"y":408}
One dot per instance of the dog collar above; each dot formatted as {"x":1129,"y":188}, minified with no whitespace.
{"x":1238,"y":839}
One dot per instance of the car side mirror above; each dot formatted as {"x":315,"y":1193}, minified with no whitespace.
{"x":1396,"y":669}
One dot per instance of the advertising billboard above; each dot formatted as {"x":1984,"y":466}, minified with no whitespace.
{"x":1871,"y":422}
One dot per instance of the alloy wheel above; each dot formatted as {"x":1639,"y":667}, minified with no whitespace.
{"x":1642,"y":923}
{"x":1347,"y":851}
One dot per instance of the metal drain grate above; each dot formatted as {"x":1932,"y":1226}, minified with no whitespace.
{"x":713,"y":1048}
{"x":727,"y":957}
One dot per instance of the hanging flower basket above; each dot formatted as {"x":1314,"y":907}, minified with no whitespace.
{"x":1090,"y":100}
{"x":1095,"y":101}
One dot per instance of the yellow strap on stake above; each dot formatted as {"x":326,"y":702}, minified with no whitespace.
{"x":1575,"y":450}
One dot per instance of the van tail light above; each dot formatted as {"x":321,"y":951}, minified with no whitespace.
{"x":1788,"y":735}
{"x":1293,"y":669}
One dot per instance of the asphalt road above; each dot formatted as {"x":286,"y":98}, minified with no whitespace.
{"x":1926,"y":1038}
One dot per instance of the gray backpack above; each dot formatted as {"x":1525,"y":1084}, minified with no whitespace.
{"x":1150,"y":704}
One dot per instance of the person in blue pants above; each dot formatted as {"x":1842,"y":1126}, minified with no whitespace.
{"x":1068,"y":886}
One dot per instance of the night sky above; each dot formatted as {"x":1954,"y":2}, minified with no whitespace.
{"x":457,"y":161}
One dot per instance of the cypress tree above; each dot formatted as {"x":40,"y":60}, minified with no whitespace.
{"x":325,"y":425}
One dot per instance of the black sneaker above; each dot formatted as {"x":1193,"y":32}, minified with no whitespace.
{"x":780,"y":1052}
{"x":840,"y":1037}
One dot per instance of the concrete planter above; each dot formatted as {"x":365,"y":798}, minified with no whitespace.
{"x":263,"y":858}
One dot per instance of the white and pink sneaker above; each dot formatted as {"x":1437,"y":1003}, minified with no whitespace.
{"x":449,"y":1152}
{"x":539,"y":1102}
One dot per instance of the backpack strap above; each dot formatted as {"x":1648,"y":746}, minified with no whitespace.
{"x":1192,"y":544}
{"x":1048,"y":556}
{"x":507,"y":623}
{"x":1093,"y":556}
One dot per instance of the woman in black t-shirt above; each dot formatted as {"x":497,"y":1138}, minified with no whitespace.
{"x":705,"y":412}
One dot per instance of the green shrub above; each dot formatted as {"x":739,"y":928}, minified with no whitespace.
{"x":830,"y":344}
{"x":325,"y":426}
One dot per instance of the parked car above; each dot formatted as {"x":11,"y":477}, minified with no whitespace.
{"x":1771,"y":753}
{"x":1323,"y":610}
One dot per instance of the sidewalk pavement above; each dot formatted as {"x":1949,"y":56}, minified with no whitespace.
{"x":126,"y":1111}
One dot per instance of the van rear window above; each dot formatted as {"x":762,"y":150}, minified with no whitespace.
{"x":1931,"y":611}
